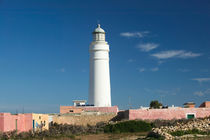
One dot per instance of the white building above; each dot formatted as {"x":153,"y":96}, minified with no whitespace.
{"x":79,"y":102}
{"x":99,"y":80}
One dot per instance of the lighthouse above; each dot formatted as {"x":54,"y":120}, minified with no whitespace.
{"x":99,"y":78}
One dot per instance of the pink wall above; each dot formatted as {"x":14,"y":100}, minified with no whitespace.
{"x":8,"y":122}
{"x":167,"y":114}
{"x":1,"y":121}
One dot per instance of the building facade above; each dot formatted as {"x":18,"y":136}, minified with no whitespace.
{"x":167,"y":114}
{"x":16,"y":122}
{"x":23,"y":122}
{"x":40,"y":122}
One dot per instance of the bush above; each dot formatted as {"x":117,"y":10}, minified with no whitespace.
{"x":55,"y":131}
{"x":155,"y":104}
{"x":159,"y":123}
{"x":154,"y":136}
{"x":193,"y":131}
{"x":128,"y":126}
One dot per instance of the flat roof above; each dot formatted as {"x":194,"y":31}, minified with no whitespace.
{"x":189,"y":103}
{"x":79,"y":101}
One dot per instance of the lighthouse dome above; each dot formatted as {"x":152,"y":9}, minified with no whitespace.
{"x":99,"y":30}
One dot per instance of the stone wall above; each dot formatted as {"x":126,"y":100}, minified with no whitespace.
{"x":90,"y":118}
{"x":79,"y":109}
{"x":113,"y":109}
{"x":202,"y":125}
{"x":167,"y":114}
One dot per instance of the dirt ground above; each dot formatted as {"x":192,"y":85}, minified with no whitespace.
{"x":124,"y":136}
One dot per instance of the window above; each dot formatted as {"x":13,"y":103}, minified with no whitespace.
{"x":71,"y":110}
{"x":40,"y":117}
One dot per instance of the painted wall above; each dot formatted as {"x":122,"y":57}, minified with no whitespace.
{"x":167,"y":114}
{"x":41,"y":121}
{"x":66,"y":109}
{"x":99,"y":77}
{"x":2,"y":122}
{"x":19,"y":122}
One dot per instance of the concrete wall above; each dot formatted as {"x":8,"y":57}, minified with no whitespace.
{"x":19,"y":122}
{"x":67,"y":109}
{"x":83,"y":119}
{"x":41,"y":121}
{"x":1,"y":122}
{"x":167,"y":114}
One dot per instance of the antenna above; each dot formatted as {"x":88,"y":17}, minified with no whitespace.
{"x":23,"y":110}
{"x":129,"y":102}
{"x":98,"y":21}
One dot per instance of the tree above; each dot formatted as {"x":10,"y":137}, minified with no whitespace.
{"x":155,"y":104}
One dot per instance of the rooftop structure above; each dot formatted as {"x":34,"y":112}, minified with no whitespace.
{"x":79,"y":102}
{"x":189,"y":105}
{"x":205,"y":104}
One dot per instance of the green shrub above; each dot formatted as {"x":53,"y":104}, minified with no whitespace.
{"x":128,"y":126}
{"x":193,"y":131}
{"x":55,"y":131}
{"x":159,"y":123}
{"x":153,"y":135}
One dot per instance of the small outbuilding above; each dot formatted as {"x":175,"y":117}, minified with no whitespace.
{"x":189,"y":105}
{"x":205,"y":104}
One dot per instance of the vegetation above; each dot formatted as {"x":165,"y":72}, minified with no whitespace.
{"x":70,"y":131}
{"x":135,"y":126}
{"x":155,"y":104}
{"x":128,"y":126}
{"x":193,"y":131}
{"x":159,"y":123}
{"x":55,"y":131}
{"x":151,"y":135}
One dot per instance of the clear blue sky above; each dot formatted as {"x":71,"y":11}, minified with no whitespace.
{"x":159,"y":50}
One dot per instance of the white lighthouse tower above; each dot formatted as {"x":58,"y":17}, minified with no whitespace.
{"x":99,"y":82}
